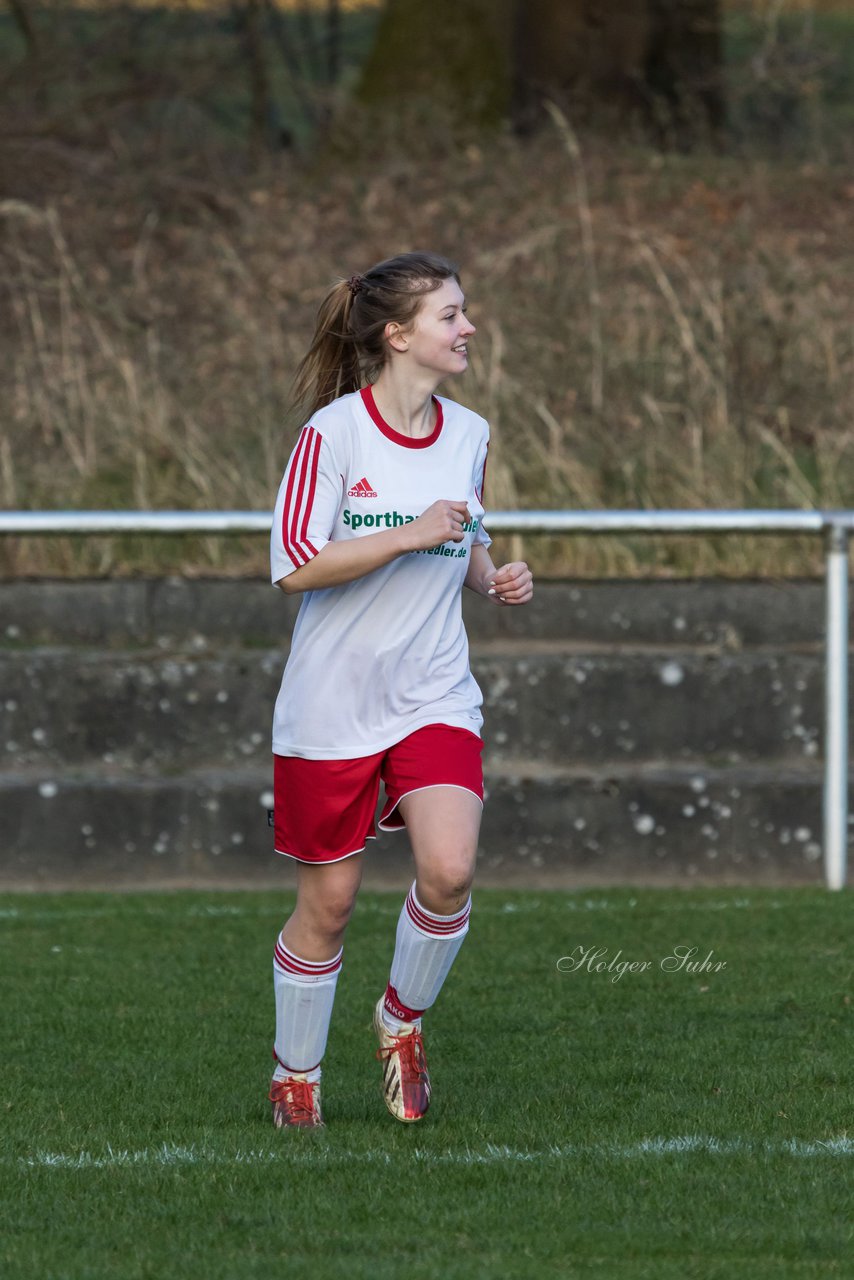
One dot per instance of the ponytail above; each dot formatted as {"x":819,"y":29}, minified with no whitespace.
{"x":331,"y":366}
{"x":349,"y":338}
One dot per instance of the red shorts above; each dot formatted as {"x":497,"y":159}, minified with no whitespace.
{"x":324,"y":809}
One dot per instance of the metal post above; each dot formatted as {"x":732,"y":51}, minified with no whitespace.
{"x":836,"y":709}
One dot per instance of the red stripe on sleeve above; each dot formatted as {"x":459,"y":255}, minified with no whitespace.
{"x":315,"y":459}
{"x":299,"y":497}
{"x":295,"y":512}
{"x":286,"y":510}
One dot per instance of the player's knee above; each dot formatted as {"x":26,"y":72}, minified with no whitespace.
{"x":446,"y":889}
{"x":457,"y":892}
{"x":331,"y":916}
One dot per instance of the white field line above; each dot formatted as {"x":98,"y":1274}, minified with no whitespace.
{"x":168,"y":1155}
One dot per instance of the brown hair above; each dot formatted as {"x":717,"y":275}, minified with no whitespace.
{"x":349,"y":337}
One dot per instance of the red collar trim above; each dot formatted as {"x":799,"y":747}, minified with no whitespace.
{"x":408,"y":442}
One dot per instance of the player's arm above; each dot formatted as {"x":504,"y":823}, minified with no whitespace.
{"x":511,"y":584}
{"x":340,"y":562}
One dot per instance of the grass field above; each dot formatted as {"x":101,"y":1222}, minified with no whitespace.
{"x":661,"y":1124}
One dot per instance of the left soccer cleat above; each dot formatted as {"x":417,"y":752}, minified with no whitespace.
{"x":296,"y":1102}
{"x":406,"y":1081}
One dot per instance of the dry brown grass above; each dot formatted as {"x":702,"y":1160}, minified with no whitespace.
{"x":654,"y":331}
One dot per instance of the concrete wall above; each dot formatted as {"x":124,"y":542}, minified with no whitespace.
{"x":636,"y":732}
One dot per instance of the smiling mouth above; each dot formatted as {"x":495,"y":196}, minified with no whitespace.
{"x":462,"y":349}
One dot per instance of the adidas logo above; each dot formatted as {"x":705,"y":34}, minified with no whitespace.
{"x":361,"y":489}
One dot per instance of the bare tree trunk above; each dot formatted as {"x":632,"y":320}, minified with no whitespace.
{"x":453,"y":56}
{"x":252,"y":21}
{"x":25,"y":25}
{"x":683,"y":70}
{"x":333,"y":41}
{"x":295,"y":61}
{"x":659,"y":60}
{"x":586,"y":54}
{"x":308,"y":34}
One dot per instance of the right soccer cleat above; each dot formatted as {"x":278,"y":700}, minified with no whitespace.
{"x":296,"y":1102}
{"x":406,"y":1081}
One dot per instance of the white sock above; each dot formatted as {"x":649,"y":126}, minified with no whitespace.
{"x":425,"y":949}
{"x":284,"y":1073}
{"x":305,"y":993}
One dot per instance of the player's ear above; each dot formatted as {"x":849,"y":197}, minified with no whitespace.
{"x":395,"y":336}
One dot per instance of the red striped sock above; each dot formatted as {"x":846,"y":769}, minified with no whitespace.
{"x":305,"y":993}
{"x":425,"y":948}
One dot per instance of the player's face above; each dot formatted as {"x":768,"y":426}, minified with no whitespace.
{"x":440,"y":332}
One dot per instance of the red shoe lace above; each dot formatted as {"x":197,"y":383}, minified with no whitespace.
{"x":413,"y":1068}
{"x":297,"y":1096}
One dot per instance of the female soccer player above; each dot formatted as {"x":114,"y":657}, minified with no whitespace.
{"x":379,"y":521}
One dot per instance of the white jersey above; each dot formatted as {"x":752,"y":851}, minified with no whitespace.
{"x":375,"y":659}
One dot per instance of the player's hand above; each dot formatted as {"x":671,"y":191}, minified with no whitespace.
{"x":441,"y":522}
{"x":511,"y":584}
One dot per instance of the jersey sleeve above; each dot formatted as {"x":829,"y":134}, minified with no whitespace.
{"x":307,"y":504}
{"x":481,"y":537}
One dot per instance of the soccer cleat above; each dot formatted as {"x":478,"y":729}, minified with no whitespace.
{"x":406,"y":1081}
{"x":296,"y":1102}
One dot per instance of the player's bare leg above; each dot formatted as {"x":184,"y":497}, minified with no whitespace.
{"x":306,"y":965}
{"x":443,"y":825}
{"x":326,"y":895}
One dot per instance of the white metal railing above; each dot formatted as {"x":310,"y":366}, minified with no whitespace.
{"x":834,"y":526}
